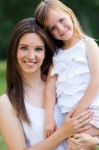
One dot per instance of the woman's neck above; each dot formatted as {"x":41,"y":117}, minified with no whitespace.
{"x":34,"y":90}
{"x":32,"y":80}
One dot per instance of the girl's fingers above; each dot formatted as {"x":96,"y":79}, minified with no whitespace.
{"x":47,"y":133}
{"x":77,"y":136}
{"x":73,"y":144}
{"x":56,"y":127}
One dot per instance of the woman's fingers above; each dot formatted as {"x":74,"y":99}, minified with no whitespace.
{"x":84,"y":115}
{"x":77,"y":124}
{"x":83,"y":119}
{"x":69,"y":115}
{"x":82,"y":129}
{"x":81,"y":122}
{"x":84,"y":122}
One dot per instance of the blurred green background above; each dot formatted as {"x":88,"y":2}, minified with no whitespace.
{"x":12,"y":11}
{"x":2,"y":90}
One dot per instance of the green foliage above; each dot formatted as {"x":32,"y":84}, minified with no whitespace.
{"x":2,"y":77}
{"x":87,"y":13}
{"x":97,"y":148}
{"x":11,"y":12}
{"x":2,"y":145}
{"x":2,"y":90}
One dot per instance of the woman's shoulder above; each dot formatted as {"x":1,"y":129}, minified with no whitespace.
{"x":4,"y":99}
{"x":5,"y":104}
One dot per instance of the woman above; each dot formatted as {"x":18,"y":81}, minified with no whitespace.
{"x":22,"y":106}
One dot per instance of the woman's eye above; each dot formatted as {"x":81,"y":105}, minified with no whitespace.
{"x":24,"y":48}
{"x":39,"y":49}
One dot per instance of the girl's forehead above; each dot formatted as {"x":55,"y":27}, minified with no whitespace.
{"x":53,"y":15}
{"x":57,"y":13}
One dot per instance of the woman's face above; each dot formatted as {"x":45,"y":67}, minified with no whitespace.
{"x":30,"y":53}
{"x":60,"y":25}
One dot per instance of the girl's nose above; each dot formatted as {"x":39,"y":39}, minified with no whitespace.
{"x":60,"y":28}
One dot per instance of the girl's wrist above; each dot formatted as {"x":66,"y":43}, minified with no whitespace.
{"x":49,"y":113}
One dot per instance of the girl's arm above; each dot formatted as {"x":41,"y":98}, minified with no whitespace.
{"x":50,"y":100}
{"x":13,"y":133}
{"x":93,"y":87}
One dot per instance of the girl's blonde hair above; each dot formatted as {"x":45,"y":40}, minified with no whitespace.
{"x":42,"y":13}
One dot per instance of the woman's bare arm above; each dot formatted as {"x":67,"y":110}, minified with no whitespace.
{"x":13,"y":133}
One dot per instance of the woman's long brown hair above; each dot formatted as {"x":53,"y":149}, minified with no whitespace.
{"x":15,"y":89}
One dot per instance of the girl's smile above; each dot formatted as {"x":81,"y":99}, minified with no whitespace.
{"x":60,"y":25}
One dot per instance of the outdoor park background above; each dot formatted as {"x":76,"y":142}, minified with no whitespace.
{"x":12,"y":11}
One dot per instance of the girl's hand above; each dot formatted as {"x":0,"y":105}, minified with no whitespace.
{"x":81,"y":141}
{"x":50,"y":127}
{"x":74,"y":144}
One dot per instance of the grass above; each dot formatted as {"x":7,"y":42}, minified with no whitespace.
{"x":2,"y":90}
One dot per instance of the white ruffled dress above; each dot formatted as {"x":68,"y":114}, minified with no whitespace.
{"x":72,"y":68}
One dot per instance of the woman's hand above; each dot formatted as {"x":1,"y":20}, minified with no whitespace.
{"x":76,"y":124}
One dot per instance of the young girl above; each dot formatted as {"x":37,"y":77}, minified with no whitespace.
{"x":73,"y":78}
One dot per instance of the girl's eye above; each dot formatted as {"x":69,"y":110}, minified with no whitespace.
{"x":24,"y":48}
{"x":52,"y":29}
{"x":38,"y":49}
{"x":61,"y":20}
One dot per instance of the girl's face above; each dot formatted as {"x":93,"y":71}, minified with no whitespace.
{"x":30,"y":53}
{"x":60,"y":25}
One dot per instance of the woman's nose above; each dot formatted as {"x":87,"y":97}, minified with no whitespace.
{"x":32,"y":54}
